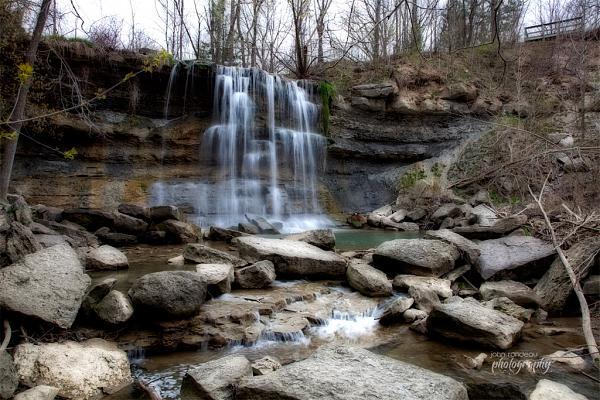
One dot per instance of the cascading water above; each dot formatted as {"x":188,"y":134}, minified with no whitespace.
{"x":262,"y":155}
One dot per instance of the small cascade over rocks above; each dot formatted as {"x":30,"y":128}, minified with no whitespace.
{"x":262,"y":155}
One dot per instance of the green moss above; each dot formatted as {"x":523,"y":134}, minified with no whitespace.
{"x":411,"y":177}
{"x":437,"y":169}
{"x":327,"y":91}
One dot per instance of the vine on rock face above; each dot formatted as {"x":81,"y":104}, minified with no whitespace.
{"x":327,"y":92}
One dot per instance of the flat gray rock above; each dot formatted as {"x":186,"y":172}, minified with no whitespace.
{"x":423,"y":257}
{"x":292,"y":258}
{"x":218,"y":277}
{"x":203,"y":254}
{"x":49,"y":284}
{"x":216,"y":379}
{"x":258,"y":275}
{"x":368,"y":280}
{"x":350,"y":373}
{"x":468,"y":248}
{"x":518,"y":292}
{"x":513,"y":257}
{"x":322,"y":238}
{"x":106,"y":257}
{"x":41,"y":392}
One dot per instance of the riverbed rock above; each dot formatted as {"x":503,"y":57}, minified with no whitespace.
{"x":203,"y":254}
{"x":394,"y":312}
{"x":79,"y":236}
{"x":291,"y":258}
{"x":368,"y":280}
{"x":80,"y":370}
{"x":554,"y":287}
{"x":115,"y":238}
{"x":550,"y":390}
{"x":350,"y":373}
{"x":106,"y":257}
{"x":215,"y":379}
{"x":159,"y":214}
{"x":223,"y":234}
{"x":322,"y":238}
{"x":49,"y":284}
{"x":514,"y":257}
{"x":518,"y":292}
{"x":258,"y":275}
{"x":179,"y":231}
{"x":94,"y":295}
{"x":88,"y":218}
{"x":425,"y":300}
{"x":248,"y":228}
{"x":133,"y":210}
{"x":115,"y":308}
{"x":412,"y":315}
{"x":262,"y":224}
{"x":41,"y":392}
{"x":218,"y":277}
{"x":9,"y":379}
{"x":423,"y":257}
{"x":127,"y":224}
{"x":509,"y":307}
{"x":470,"y":322}
{"x":168,"y":294}
{"x":265,"y":365}
{"x":440,"y":287}
{"x":468,"y":248}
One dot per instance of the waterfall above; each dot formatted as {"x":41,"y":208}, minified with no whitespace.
{"x":261,"y":156}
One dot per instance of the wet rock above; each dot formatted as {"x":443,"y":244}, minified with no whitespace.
{"x":470,"y":322}
{"x":218,"y":277}
{"x":322,"y":238}
{"x":168,"y":294}
{"x":216,"y":379}
{"x":106,"y":257}
{"x":425,"y":300}
{"x":495,"y":391}
{"x":49,"y":284}
{"x":89,"y":219}
{"x":203,"y":254}
{"x":468,"y":248}
{"x":258,"y":275}
{"x":554,"y":287}
{"x":115,"y":308}
{"x":507,"y":306}
{"x":368,"y":280}
{"x":265,"y":365}
{"x":423,"y":257}
{"x":497,"y":229}
{"x":591,"y":286}
{"x":133,"y":210}
{"x":550,"y":390}
{"x":518,"y":292}
{"x":291,"y":258}
{"x":41,"y":392}
{"x":286,"y":326}
{"x":394,"y":312}
{"x":179,"y":231}
{"x":103,"y":365}
{"x":222,"y":234}
{"x":159,"y":214}
{"x":412,"y":315}
{"x":514,"y":257}
{"x":248,"y":228}
{"x":338,"y":372}
{"x":9,"y":379}
{"x":127,"y":224}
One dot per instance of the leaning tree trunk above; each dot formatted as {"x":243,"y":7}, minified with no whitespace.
{"x":15,"y":120}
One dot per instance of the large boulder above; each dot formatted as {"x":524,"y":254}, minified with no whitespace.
{"x":89,"y":219}
{"x":550,"y":390}
{"x":133,"y":210}
{"x":127,"y":224}
{"x":514,"y":257}
{"x":258,"y":275}
{"x":203,"y":254}
{"x":80,"y":370}
{"x":416,"y":256}
{"x":368,"y":280}
{"x":469,"y":321}
{"x":179,"y":231}
{"x":159,"y":214}
{"x":554,"y":288}
{"x":322,"y":238}
{"x":218,"y":277}
{"x":468,"y":248}
{"x":168,"y":294}
{"x":223,"y":234}
{"x":350,"y":373}
{"x":49,"y":284}
{"x":216,"y":379}
{"x":78,"y":235}
{"x":115,"y":308}
{"x":9,"y":379}
{"x":518,"y":292}
{"x":106,"y":257}
{"x":291,"y":258}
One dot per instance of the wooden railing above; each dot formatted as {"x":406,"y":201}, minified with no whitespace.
{"x":554,"y":29}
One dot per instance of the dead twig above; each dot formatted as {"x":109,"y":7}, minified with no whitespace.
{"x":7,"y":335}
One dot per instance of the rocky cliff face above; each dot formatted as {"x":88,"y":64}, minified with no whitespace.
{"x":125,"y":144}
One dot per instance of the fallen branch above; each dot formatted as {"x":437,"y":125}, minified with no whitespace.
{"x":585,"y":310}
{"x":7,"y":335}
{"x":152,"y":393}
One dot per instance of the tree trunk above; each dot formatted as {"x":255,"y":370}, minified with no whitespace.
{"x":10,"y":146}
